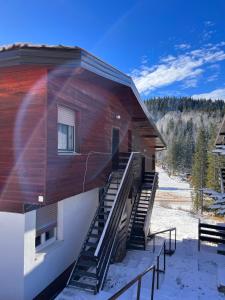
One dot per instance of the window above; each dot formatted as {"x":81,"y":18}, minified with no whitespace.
{"x":66,"y":130}
{"x":46,"y":226}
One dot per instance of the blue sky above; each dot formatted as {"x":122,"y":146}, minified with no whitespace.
{"x":170,"y":47}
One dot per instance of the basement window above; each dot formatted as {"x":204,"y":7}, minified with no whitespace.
{"x":66,"y":130}
{"x":46,"y":226}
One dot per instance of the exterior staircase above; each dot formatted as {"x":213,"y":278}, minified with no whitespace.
{"x":90,"y":270}
{"x":142,"y":211}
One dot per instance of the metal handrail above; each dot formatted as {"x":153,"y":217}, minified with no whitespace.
{"x":111,"y":211}
{"x":169,"y":251}
{"x":108,"y":238}
{"x":154,"y":185}
{"x":155,"y":268}
{"x":138,"y":279}
{"x":158,"y":270}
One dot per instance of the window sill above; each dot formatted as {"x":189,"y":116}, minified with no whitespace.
{"x":68,"y":153}
{"x":42,"y":253}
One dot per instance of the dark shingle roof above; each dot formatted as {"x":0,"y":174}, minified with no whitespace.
{"x":35,"y":46}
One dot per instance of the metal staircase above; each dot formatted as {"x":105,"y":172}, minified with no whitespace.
{"x":90,"y":270}
{"x":141,"y":213}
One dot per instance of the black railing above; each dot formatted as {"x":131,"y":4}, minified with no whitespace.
{"x":154,"y":268}
{"x":101,"y":202}
{"x":169,"y":250}
{"x":105,"y":248}
{"x":210,"y":233}
{"x":138,"y":280}
{"x":150,"y":206}
{"x":162,"y":251}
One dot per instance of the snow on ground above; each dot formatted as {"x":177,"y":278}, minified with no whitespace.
{"x":189,"y":274}
{"x":173,"y":184}
{"x":173,"y":192}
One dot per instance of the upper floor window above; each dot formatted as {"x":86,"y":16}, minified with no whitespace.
{"x":66,"y":130}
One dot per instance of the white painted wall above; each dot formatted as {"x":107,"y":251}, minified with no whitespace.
{"x":11,"y":256}
{"x":74,"y":217}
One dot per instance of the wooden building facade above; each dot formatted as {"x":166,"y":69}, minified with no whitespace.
{"x":64,"y":116}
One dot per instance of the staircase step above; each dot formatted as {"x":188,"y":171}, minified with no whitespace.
{"x":110,"y":194}
{"x":101,"y":220}
{"x":86,"y":263}
{"x":138,"y":226}
{"x":89,"y":254}
{"x":82,"y":285}
{"x":99,"y":228}
{"x":143,"y":205}
{"x":108,"y":200}
{"x":84,"y":273}
{"x":93,"y":235}
{"x":105,"y":206}
{"x":91,"y":244}
{"x":137,"y":237}
{"x":139,"y":223}
{"x":139,"y":218}
{"x":103,"y":213}
{"x":135,"y":247}
{"x":135,"y":242}
{"x":142,"y":211}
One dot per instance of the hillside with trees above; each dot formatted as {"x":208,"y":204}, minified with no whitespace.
{"x":189,"y":128}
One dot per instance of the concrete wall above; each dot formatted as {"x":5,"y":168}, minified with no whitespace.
{"x":24,"y":273}
{"x":74,"y":217}
{"x":11,"y":256}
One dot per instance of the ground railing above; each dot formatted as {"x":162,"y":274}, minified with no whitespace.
{"x":170,"y":250}
{"x":154,"y":268}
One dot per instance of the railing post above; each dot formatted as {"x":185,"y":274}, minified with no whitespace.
{"x":139,"y":289}
{"x":153,"y":284}
{"x":199,"y":235}
{"x":170,"y":241}
{"x":175,"y":238}
{"x":157,"y":278}
{"x":164,"y":258}
{"x":153,"y":243}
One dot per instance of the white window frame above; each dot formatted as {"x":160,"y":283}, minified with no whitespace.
{"x":46,"y":242}
{"x":68,"y":123}
{"x":53,"y":228}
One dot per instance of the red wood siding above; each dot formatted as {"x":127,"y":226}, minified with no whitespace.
{"x":29,"y":161}
{"x":22,"y":136}
{"x":95,"y":109}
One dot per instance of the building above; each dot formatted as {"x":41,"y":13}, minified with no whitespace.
{"x":65,"y":116}
{"x":218,"y":206}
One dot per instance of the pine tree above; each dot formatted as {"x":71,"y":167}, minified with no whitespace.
{"x":212,"y":180}
{"x":199,"y":169}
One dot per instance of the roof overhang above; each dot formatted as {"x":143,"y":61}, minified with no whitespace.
{"x":28,"y":54}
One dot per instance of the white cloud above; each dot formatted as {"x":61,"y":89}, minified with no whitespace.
{"x":183,"y":46}
{"x":218,"y":94}
{"x":209,"y":23}
{"x":171,"y":69}
{"x":191,"y":82}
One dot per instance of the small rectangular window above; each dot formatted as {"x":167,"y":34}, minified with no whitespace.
{"x":46,"y":226}
{"x":66,"y":130}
